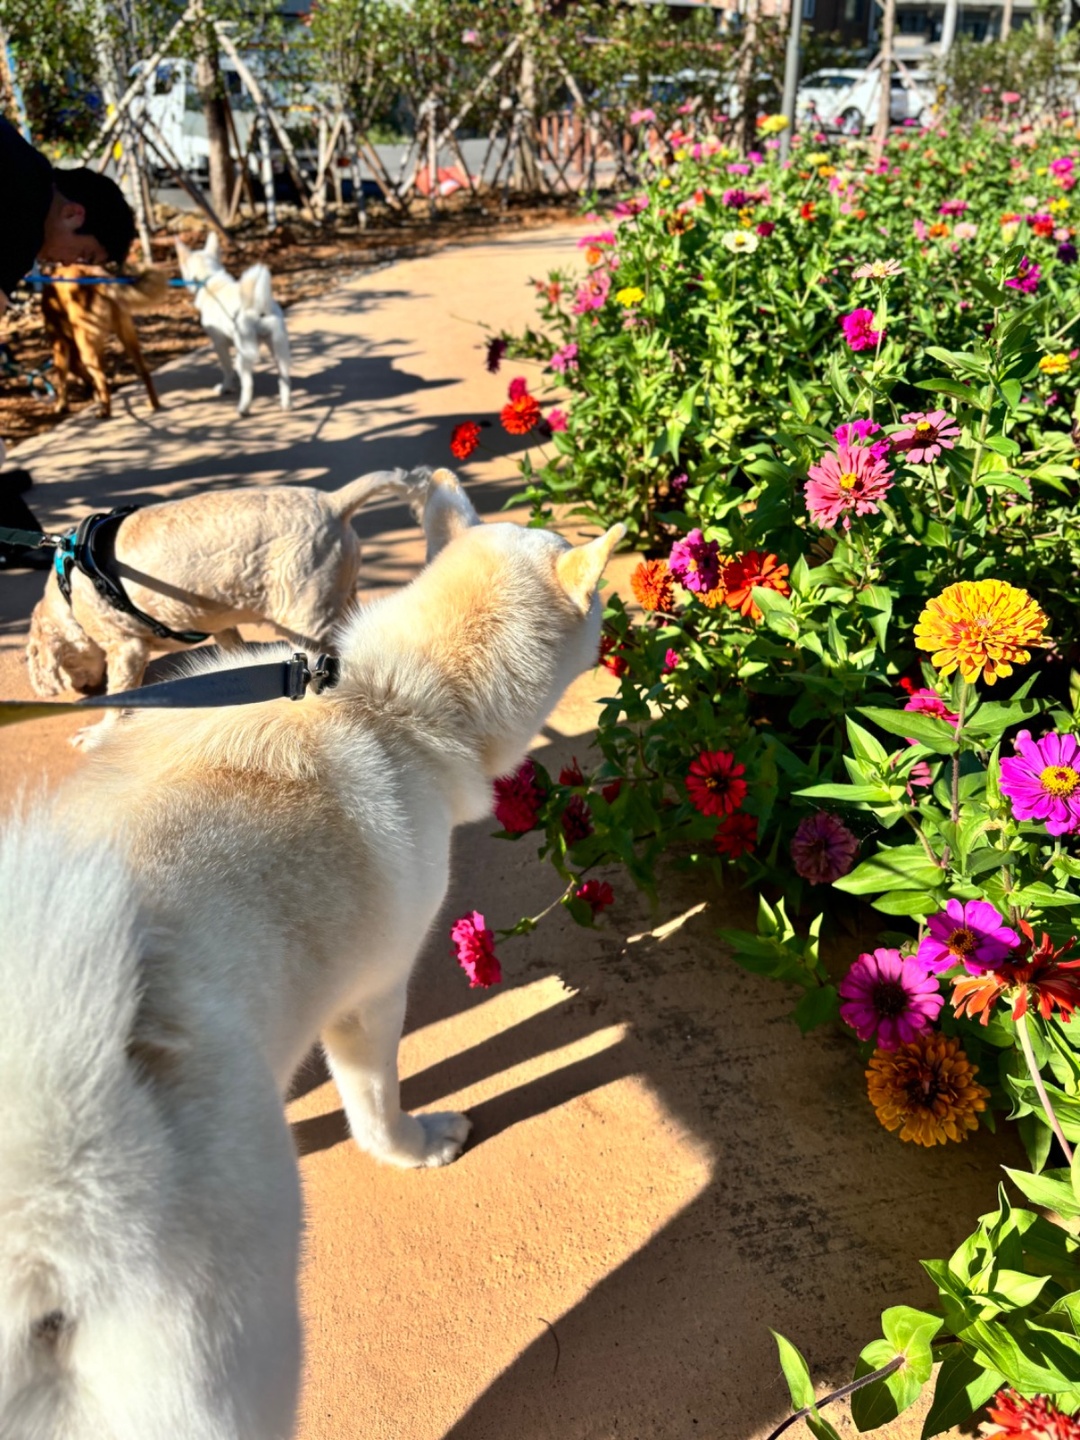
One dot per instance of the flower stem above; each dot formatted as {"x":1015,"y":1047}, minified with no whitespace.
{"x":1040,"y":1088}
{"x":848,"y":1389}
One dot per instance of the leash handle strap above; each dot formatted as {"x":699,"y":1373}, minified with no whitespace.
{"x":29,"y":539}
{"x":242,"y":685}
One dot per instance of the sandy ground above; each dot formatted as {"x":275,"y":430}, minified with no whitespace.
{"x":661,"y":1169}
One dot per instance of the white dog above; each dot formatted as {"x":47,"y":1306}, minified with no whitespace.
{"x":212,"y":893}
{"x":279,"y":553}
{"x":236,"y":315}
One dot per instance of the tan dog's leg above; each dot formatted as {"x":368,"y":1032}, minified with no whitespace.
{"x":362,"y":1050}
{"x":125,"y":664}
{"x":129,"y":338}
{"x":93,"y":362}
{"x":62,"y":367}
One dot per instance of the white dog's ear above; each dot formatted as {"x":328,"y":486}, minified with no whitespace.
{"x":579,"y":570}
{"x":183,"y":255}
{"x":213,"y":245}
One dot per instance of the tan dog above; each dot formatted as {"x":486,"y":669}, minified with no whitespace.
{"x":210,"y":894}
{"x":79,"y":319}
{"x":282,"y":553}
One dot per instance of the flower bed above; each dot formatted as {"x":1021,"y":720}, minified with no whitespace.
{"x":833,"y":401}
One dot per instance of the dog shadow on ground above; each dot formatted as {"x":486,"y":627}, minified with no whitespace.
{"x":813,"y":1219}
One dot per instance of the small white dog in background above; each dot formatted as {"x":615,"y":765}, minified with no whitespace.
{"x":213,"y":891}
{"x":237,"y":315}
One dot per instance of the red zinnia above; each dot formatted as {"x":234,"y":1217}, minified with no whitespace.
{"x":518,"y":799}
{"x":521,"y":414}
{"x":713,"y":782}
{"x":807,"y":210}
{"x":1043,"y":980}
{"x":474,"y":945}
{"x":1034,"y":1419}
{"x":571,"y":774}
{"x":744,"y":572}
{"x":597,"y":894}
{"x":464,"y":439}
{"x":576,"y":820}
{"x":736,"y":835}
{"x":612,"y":656}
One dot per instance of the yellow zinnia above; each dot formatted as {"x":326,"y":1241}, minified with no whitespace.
{"x":772,"y":124}
{"x":980,"y":627}
{"x":927,"y":1090}
{"x":630,"y":295}
{"x":1055,"y":364}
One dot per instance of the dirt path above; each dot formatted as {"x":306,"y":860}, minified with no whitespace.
{"x":661,"y":1168}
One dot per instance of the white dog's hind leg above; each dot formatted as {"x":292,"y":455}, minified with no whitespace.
{"x":279,"y":344}
{"x":247,"y":382}
{"x":362,"y":1052}
{"x":125,"y":667}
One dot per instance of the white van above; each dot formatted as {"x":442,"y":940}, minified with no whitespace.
{"x":847,"y":100}
{"x":171,"y":100}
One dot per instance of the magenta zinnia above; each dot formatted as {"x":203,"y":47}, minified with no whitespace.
{"x":858,"y":328}
{"x":851,"y":479}
{"x":969,"y":933}
{"x":695,"y":562}
{"x":1043,"y":781}
{"x":597,"y":894}
{"x":474,"y":945}
{"x":714,"y":782}
{"x":889,"y":998}
{"x":926,"y":435}
{"x":823,"y":848}
{"x":518,"y":799}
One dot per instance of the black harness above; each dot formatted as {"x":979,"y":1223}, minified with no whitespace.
{"x":91,"y":548}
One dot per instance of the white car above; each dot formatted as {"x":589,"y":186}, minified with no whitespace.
{"x":847,"y":100}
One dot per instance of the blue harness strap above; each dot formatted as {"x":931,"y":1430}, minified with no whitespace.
{"x":90,"y":548}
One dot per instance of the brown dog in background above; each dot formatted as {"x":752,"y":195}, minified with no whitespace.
{"x":79,"y":320}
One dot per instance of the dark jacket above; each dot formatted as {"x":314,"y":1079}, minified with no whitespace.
{"x":26,"y":191}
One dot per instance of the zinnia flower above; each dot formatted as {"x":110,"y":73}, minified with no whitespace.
{"x":464,"y":439}
{"x":496,"y":349}
{"x":953,"y":207}
{"x":564,"y":359}
{"x":1067,"y":252}
{"x":612,"y":657}
{"x":858,"y":328}
{"x":980,"y":627}
{"x":740,"y":241}
{"x":1043,"y":981}
{"x":474,"y":945}
{"x":926,"y":435}
{"x":1055,"y":364}
{"x":1043,"y":781}
{"x":714,"y":782}
{"x":969,"y":933}
{"x":671,"y":662}
{"x":518,"y":799}
{"x":521,"y":414}
{"x":852,"y":479}
{"x":736,"y":835}
{"x":593,"y":293}
{"x":1034,"y":1419}
{"x":653,"y":585}
{"x":744,"y":572}
{"x":823,"y":848}
{"x":929,"y":702}
{"x":856,"y":432}
{"x":695,"y":562}
{"x":554,"y":421}
{"x":1026,"y":278}
{"x":889,"y":998}
{"x":597,"y":894}
{"x":576,"y":820}
{"x":630,"y":295}
{"x":878,"y":270}
{"x":926,"y":1089}
{"x":965,"y":230}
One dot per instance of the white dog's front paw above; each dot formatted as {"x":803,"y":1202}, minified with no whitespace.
{"x":445,"y":1134}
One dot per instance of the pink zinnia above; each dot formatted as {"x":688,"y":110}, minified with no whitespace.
{"x":858,"y":328}
{"x":555,"y":420}
{"x":695,"y":563}
{"x":564,"y":359}
{"x":929,"y":702}
{"x":926,"y":435}
{"x":518,"y":799}
{"x":889,"y":999}
{"x":474,"y":945}
{"x":1043,"y":781}
{"x":969,"y":933}
{"x":597,"y":894}
{"x":823,"y":848}
{"x":851,"y":479}
{"x":517,"y":388}
{"x":856,"y":432}
{"x":671,"y":662}
{"x":604,"y":237}
{"x":1026,"y":278}
{"x":953,"y":207}
{"x":593,"y":294}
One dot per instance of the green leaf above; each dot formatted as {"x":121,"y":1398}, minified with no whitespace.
{"x":908,"y":1333}
{"x":801,"y":1387}
{"x":818,"y":1006}
{"x":1001,"y":1350}
{"x":903,"y":867}
{"x":963,"y":1386}
{"x":994,"y":717}
{"x":879,"y":794}
{"x":936,"y":734}
{"x":1052,"y":1190}
{"x":919,"y":903}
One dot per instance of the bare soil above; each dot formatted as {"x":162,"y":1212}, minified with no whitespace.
{"x":306,"y":261}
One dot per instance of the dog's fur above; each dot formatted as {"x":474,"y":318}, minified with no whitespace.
{"x":213,"y":892}
{"x":79,"y":320}
{"x":236,"y":315}
{"x":280,"y":553}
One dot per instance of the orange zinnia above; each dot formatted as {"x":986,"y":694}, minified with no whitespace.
{"x":654,"y":585}
{"x":926,"y":1089}
{"x":521,"y":414}
{"x":980,"y":627}
{"x":1043,"y":981}
{"x":744,"y":572}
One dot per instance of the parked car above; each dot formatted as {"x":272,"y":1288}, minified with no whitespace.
{"x":847,"y":100}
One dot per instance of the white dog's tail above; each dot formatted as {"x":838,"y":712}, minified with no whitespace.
{"x":346,"y":501}
{"x":256,"y":291}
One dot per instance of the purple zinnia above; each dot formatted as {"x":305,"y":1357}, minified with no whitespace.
{"x":969,"y":933}
{"x":823,"y":848}
{"x":496,"y":349}
{"x":1026,"y":278}
{"x":890,"y":998}
{"x":858,"y":328}
{"x":695,"y":563}
{"x":1067,"y":252}
{"x":1043,"y":781}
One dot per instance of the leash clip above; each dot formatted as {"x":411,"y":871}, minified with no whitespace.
{"x":299,"y":678}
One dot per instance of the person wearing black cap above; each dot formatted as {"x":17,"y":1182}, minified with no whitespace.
{"x":71,"y":217}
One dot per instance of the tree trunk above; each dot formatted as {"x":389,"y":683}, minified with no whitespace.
{"x":211,"y":90}
{"x":881,"y":128}
{"x":526,"y":164}
{"x":746,"y":79}
{"x":1006,"y":20}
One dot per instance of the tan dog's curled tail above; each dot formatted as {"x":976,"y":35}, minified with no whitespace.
{"x":148,"y":287}
{"x":351,"y":497}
